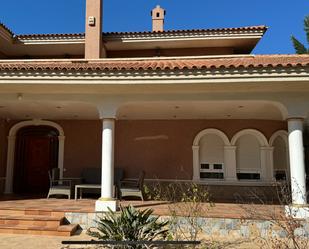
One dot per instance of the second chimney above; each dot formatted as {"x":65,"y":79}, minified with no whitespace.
{"x":158,"y":15}
{"x":93,"y":29}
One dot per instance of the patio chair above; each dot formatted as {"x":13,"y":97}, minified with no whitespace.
{"x":132,"y":187}
{"x":58,"y":186}
{"x":118,"y":177}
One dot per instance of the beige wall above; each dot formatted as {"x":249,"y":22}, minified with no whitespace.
{"x":82,"y":146}
{"x":162,"y":147}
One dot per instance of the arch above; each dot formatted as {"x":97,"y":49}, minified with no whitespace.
{"x":259,"y":135}
{"x":266,"y":164}
{"x":196,"y":148}
{"x":211,"y":131}
{"x":281,"y":133}
{"x":36,"y":122}
{"x":11,"y":148}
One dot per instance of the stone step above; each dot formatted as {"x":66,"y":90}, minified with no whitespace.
{"x":31,"y":220}
{"x":20,"y":212}
{"x":62,"y":230}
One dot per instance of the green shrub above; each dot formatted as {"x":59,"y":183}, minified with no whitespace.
{"x":130,"y":225}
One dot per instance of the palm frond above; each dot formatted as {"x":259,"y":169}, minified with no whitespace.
{"x":298,"y":46}
{"x":306,"y":24}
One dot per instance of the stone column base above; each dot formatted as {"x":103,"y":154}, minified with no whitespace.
{"x":105,"y":205}
{"x":297,"y":211}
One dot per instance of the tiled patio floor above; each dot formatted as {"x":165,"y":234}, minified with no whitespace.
{"x":219,"y":210}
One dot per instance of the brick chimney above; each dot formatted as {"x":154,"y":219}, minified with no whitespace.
{"x":158,"y":15}
{"x":93,"y":29}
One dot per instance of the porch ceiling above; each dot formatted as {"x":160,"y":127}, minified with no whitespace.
{"x":24,"y":109}
{"x":201,"y":110}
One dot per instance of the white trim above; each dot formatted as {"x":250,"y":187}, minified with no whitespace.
{"x":195,"y":148}
{"x":11,"y":148}
{"x":259,"y":135}
{"x":217,"y":182}
{"x":265,"y":152}
{"x":284,"y":135}
{"x":281,"y":133}
{"x":211,"y":131}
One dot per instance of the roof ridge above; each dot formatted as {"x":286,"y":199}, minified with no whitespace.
{"x":258,"y":27}
{"x":6,"y":28}
{"x":261,"y":27}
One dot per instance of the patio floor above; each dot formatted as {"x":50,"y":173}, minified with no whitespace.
{"x":218,"y":210}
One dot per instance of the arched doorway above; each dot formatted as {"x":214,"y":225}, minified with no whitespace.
{"x":12,"y":146}
{"x":36,"y":152}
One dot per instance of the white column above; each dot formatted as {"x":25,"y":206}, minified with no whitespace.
{"x":196,"y":163}
{"x":267,"y":163}
{"x":61,"y":154}
{"x":10,"y":165}
{"x":297,"y":161}
{"x":107,"y":178}
{"x":230,"y":163}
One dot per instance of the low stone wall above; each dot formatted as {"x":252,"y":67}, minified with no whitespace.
{"x":218,"y":227}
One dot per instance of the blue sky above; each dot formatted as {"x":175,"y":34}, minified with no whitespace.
{"x":283,"y":17}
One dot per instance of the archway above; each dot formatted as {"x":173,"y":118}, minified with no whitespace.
{"x":253,"y":161}
{"x":209,"y":160}
{"x":36,"y":153}
{"x":281,"y":166}
{"x":12,"y":145}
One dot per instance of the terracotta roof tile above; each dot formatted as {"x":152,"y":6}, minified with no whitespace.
{"x":25,"y":36}
{"x":247,"y":28}
{"x":162,"y":64}
{"x":6,"y":28}
{"x":81,"y":35}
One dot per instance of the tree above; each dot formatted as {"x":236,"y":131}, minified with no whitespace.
{"x":298,"y":46}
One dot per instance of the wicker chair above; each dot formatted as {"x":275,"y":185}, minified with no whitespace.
{"x":58,"y":186}
{"x":132,"y":187}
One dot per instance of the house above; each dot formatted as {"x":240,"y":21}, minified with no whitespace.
{"x":183,"y":105}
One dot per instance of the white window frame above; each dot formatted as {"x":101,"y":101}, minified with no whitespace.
{"x":212,"y":170}
{"x":249,"y":171}
{"x":284,"y":170}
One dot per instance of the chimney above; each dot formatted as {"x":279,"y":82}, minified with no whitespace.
{"x":158,"y":15}
{"x":93,"y":29}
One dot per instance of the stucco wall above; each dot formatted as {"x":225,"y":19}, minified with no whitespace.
{"x":82,"y":146}
{"x":164,"y":147}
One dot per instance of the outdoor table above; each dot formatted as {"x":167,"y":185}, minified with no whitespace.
{"x":85,"y":186}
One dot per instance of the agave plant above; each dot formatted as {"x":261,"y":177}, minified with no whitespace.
{"x":130,"y":225}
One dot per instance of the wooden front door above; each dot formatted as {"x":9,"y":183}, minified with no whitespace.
{"x":36,"y":154}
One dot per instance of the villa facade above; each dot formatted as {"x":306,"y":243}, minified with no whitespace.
{"x":183,"y":105}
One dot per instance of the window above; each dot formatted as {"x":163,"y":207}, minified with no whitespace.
{"x":280,"y":175}
{"x":211,"y":171}
{"x":247,"y":174}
